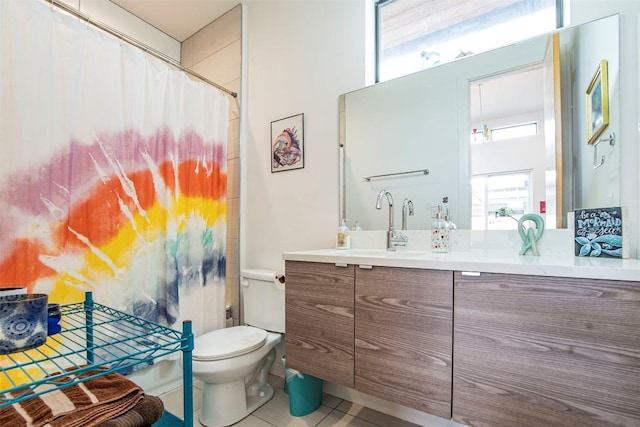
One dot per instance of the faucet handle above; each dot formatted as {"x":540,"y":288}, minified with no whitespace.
{"x":408,"y":204}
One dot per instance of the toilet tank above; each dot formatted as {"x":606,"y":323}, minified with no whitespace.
{"x":262,"y":300}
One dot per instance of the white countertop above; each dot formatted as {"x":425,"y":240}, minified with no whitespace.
{"x":486,"y":261}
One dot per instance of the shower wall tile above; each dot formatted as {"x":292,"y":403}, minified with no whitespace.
{"x":218,"y":35}
{"x":233,"y":85}
{"x":233,"y":178}
{"x":222,"y":66}
{"x":186,"y":53}
{"x":233,"y":218}
{"x":233,"y":139}
{"x":234,"y":103}
{"x":233,"y":256}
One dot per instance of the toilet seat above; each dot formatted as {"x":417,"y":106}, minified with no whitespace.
{"x":228,"y":342}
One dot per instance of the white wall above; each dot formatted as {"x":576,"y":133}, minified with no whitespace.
{"x":300,"y":56}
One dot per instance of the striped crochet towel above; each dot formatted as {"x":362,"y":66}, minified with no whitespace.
{"x":81,"y":405}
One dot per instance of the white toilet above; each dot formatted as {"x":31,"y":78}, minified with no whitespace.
{"x":234,"y":363}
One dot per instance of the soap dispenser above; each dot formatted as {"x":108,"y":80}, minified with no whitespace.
{"x":440,"y":232}
{"x":446,"y":213}
{"x":343,"y":238}
{"x":447,"y":218}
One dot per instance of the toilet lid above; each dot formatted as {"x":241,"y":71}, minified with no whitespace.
{"x":228,"y":342}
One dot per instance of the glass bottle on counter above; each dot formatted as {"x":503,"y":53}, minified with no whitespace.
{"x":440,"y":232}
{"x":343,"y":238}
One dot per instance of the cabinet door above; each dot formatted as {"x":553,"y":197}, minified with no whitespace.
{"x":319,"y":320}
{"x":404,"y":336}
{"x":546,"y":351}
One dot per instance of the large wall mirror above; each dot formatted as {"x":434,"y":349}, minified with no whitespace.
{"x":505,"y":128}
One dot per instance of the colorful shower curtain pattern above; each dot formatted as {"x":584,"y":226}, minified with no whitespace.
{"x":112,"y":172}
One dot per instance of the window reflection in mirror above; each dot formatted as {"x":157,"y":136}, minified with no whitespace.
{"x":507,"y":120}
{"x":500,"y":200}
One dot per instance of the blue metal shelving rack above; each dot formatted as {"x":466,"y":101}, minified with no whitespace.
{"x":96,"y":339}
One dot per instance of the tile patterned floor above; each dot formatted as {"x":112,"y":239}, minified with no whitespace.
{"x":333,"y":412}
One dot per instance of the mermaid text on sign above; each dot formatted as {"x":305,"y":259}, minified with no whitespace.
{"x":598,"y":232}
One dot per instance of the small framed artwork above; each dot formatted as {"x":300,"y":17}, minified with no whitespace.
{"x":287,"y":143}
{"x":598,"y":103}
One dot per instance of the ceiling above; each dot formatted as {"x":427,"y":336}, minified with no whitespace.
{"x":509,"y":94}
{"x":178,"y":18}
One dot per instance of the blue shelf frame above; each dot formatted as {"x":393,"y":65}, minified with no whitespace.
{"x":96,"y":340}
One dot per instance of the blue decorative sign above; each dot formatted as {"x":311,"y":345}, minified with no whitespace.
{"x":598,"y":232}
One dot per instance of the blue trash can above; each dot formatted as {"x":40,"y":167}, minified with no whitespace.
{"x":305,"y":392}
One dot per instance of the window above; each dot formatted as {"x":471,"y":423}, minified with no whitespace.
{"x":412,"y":35}
{"x":514,"y":131}
{"x":508,"y":193}
{"x":506,"y":132}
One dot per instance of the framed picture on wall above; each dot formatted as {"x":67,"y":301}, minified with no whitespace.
{"x":598,"y":103}
{"x":287,"y":143}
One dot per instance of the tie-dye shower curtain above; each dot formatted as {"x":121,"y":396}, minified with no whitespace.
{"x":112,"y":172}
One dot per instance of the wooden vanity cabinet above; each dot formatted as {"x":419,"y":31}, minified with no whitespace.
{"x":319,"y":306}
{"x":383,"y":331}
{"x":403,"y":336}
{"x":546,"y":351}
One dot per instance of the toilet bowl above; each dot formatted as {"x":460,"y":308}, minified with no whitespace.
{"x":234,"y":363}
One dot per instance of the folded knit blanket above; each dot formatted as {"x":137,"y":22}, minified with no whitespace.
{"x":145,"y":413}
{"x":85,"y":404}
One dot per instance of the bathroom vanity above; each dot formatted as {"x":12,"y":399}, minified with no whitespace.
{"x":484,"y":340}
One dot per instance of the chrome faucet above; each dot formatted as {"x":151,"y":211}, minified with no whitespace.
{"x":394,"y":237}
{"x":407,"y":208}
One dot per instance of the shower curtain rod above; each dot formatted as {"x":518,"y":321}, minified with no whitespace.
{"x":137,"y":44}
